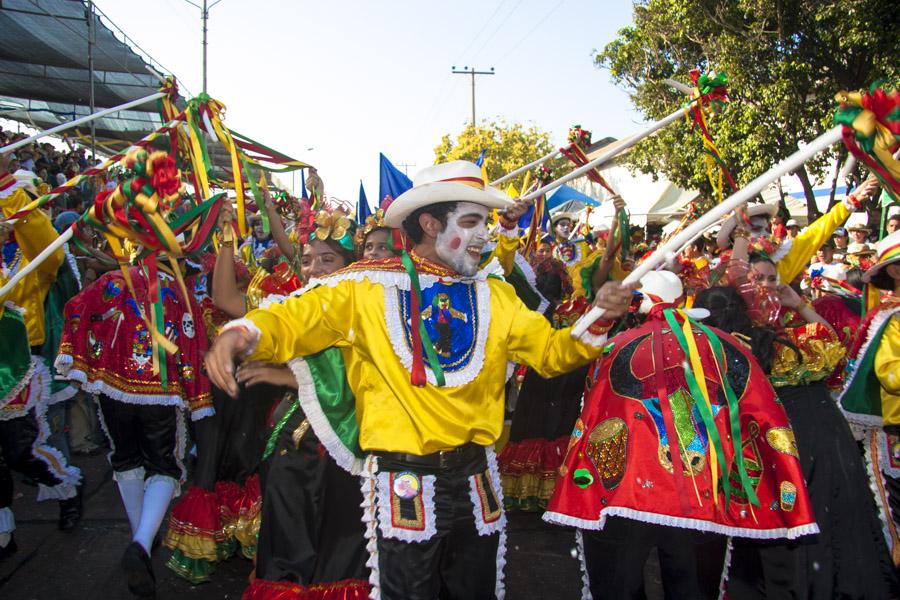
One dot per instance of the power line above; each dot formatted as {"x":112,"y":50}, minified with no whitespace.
{"x":532,"y":30}
{"x":483,"y":27}
{"x":499,"y":25}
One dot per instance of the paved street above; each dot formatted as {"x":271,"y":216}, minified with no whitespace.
{"x":83,"y":564}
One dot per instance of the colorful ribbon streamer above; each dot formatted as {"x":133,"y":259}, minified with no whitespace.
{"x":871,"y":130}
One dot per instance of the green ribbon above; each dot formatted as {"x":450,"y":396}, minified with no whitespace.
{"x":273,"y":437}
{"x":706,"y":413}
{"x":161,"y":328}
{"x":733,"y":413}
{"x":624,"y":235}
{"x":254,"y":190}
{"x":416,"y":289}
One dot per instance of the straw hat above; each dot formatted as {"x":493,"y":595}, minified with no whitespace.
{"x":860,"y":249}
{"x":888,"y":251}
{"x":754,"y":210}
{"x":455,"y":181}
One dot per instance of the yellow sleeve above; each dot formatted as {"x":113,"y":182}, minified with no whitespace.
{"x":887,"y":359}
{"x":532,"y":341}
{"x":34,"y":233}
{"x":301,"y":325}
{"x":505,"y":252}
{"x":809,"y":241}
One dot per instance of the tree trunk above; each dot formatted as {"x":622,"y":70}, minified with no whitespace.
{"x":842,"y":153}
{"x":782,"y":205}
{"x":812,"y":211}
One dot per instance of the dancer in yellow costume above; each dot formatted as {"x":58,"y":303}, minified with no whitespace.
{"x":426,"y":422}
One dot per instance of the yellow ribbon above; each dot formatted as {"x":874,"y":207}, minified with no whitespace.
{"x":697,"y":366}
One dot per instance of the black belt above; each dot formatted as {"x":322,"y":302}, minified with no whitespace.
{"x":445,"y":458}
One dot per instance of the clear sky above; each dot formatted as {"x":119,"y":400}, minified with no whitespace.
{"x":335,"y":83}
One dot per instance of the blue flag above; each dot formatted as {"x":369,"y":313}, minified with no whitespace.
{"x":480,"y":160}
{"x":303,"y":193}
{"x":362,"y":206}
{"x":393,"y":182}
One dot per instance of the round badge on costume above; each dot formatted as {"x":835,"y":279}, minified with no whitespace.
{"x":406,"y":485}
{"x":187,"y":325}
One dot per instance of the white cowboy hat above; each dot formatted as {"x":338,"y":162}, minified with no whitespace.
{"x":559,"y":216}
{"x":792,"y":223}
{"x":454,"y":181}
{"x":888,"y":253}
{"x":754,"y":210}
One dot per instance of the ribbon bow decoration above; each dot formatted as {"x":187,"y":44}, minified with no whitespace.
{"x":139,"y":220}
{"x":871,"y":130}
{"x":710,"y":93}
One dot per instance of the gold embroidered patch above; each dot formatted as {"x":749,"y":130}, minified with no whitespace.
{"x":406,"y":513}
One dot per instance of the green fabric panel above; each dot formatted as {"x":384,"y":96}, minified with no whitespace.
{"x":863,"y":397}
{"x":335,"y":396}
{"x":15,"y":351}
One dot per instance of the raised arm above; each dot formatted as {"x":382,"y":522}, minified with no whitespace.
{"x":276,"y":226}
{"x":225,"y":292}
{"x":301,"y":325}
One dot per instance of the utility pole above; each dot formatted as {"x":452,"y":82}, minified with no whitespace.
{"x":92,"y":39}
{"x":405,"y":165}
{"x":472,"y":72}
{"x":204,"y":17}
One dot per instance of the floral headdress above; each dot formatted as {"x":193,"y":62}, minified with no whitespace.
{"x":373,"y":222}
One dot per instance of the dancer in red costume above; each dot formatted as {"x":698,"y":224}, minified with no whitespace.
{"x":674,"y":383}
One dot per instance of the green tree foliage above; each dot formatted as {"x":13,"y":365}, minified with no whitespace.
{"x":785,"y":60}
{"x":508,"y":146}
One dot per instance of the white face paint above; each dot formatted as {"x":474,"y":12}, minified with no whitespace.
{"x":459,"y":245}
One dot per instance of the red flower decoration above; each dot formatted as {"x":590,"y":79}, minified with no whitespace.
{"x":165,"y":178}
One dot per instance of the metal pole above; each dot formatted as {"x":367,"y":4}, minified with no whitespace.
{"x":205,"y":16}
{"x":91,"y":41}
{"x":82,"y":120}
{"x":788,"y":165}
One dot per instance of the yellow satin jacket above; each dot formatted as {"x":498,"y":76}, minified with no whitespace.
{"x":33,"y":234}
{"x":358,"y":310}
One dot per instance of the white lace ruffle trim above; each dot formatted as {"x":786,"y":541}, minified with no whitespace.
{"x":309,"y":402}
{"x":396,"y":328}
{"x":385,"y":524}
{"x":369,"y":487}
{"x":582,"y":565}
{"x":682,"y":522}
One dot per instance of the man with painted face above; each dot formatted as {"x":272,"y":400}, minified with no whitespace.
{"x":422,"y":429}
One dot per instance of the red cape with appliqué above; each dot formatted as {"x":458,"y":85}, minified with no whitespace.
{"x":107,"y":348}
{"x":619,"y":463}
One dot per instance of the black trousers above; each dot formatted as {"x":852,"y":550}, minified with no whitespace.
{"x":17,"y":437}
{"x":456,"y":562}
{"x":690,"y":561}
{"x":311,"y":529}
{"x":230,"y":443}
{"x":848,"y":558}
{"x":142,"y":435}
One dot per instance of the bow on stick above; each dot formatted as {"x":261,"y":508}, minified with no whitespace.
{"x":871,"y":130}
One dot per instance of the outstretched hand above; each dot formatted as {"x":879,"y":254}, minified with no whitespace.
{"x":220,"y":358}
{"x":614,"y":298}
{"x":516,"y":211}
